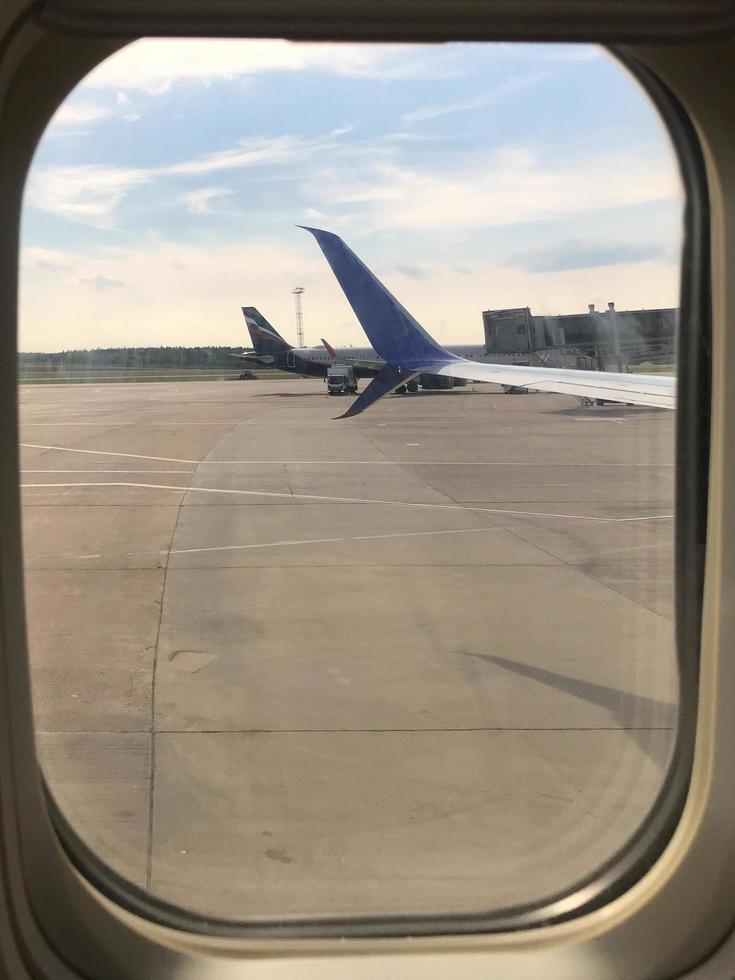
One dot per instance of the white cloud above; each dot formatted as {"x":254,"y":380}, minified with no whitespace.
{"x":199,"y":201}
{"x":409,"y":136}
{"x":86,"y":193}
{"x":187,"y":294}
{"x":552,"y":52}
{"x":76,"y":117}
{"x":154,"y":65}
{"x":176,"y":293}
{"x":90,"y":193}
{"x":479,"y":101}
{"x":101,"y":282}
{"x":500,"y":187}
{"x":576,"y":253}
{"x":249,"y":152}
{"x":38,"y":260}
{"x":77,"y":114}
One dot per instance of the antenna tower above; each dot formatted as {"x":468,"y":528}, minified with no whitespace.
{"x":297,"y":291}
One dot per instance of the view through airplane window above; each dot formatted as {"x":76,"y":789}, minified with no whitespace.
{"x":416,"y":660}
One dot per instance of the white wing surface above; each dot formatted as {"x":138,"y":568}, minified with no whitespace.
{"x":654,"y":390}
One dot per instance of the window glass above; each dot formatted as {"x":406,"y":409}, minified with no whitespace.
{"x":420,"y":660}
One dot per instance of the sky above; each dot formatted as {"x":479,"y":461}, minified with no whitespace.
{"x":166,"y":190}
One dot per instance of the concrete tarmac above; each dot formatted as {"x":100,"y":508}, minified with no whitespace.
{"x":418,"y":661}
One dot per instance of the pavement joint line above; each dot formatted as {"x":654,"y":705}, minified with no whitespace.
{"x":164,"y":422}
{"x":152,"y":729}
{"x":351,"y":500}
{"x":301,"y":566}
{"x":407,"y":462}
{"x":356,"y":731}
{"x":388,"y":731}
{"x":619,"y":551}
{"x":586,"y":570}
{"x":311,"y":462}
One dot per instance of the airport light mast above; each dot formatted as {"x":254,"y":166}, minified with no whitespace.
{"x":297,"y":292}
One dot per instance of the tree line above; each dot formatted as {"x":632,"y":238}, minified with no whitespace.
{"x":131,"y":358}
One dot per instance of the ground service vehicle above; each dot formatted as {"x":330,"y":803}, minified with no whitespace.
{"x":340,"y":380}
{"x":665,"y":907}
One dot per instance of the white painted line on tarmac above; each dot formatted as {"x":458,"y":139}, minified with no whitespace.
{"x":319,"y":462}
{"x":402,"y":462}
{"x":139,"y":422}
{"x":666,"y":546}
{"x":294,"y":424}
{"x":183,"y":472}
{"x":100,"y":452}
{"x":359,"y":537}
{"x":272,"y":544}
{"x":351,"y":500}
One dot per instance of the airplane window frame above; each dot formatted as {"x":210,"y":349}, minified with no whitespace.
{"x":692,"y":433}
{"x":691,"y":467}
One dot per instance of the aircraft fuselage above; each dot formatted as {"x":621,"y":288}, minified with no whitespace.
{"x":314,"y":361}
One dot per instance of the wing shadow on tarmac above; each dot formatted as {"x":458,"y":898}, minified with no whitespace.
{"x":634,"y":713}
{"x":613,"y":410}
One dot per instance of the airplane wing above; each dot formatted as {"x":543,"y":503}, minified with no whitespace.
{"x":253,"y":357}
{"x":654,"y":390}
{"x":405,"y":345}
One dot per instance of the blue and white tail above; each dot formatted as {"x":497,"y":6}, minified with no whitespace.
{"x":266,"y":339}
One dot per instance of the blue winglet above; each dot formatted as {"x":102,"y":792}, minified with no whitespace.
{"x":388,"y":378}
{"x":391,"y":329}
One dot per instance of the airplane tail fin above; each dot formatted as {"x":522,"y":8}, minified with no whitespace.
{"x":394,"y":333}
{"x":266,"y":339}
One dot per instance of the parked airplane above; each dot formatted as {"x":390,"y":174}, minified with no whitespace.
{"x":269,"y":348}
{"x":409,"y":351}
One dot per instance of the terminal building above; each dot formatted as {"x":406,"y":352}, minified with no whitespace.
{"x":604,"y":339}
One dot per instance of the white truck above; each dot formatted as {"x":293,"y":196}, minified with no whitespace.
{"x":341,"y":380}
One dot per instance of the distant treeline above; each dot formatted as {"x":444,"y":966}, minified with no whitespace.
{"x":131,"y":358}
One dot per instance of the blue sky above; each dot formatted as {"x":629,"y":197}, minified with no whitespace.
{"x":165,"y":192}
